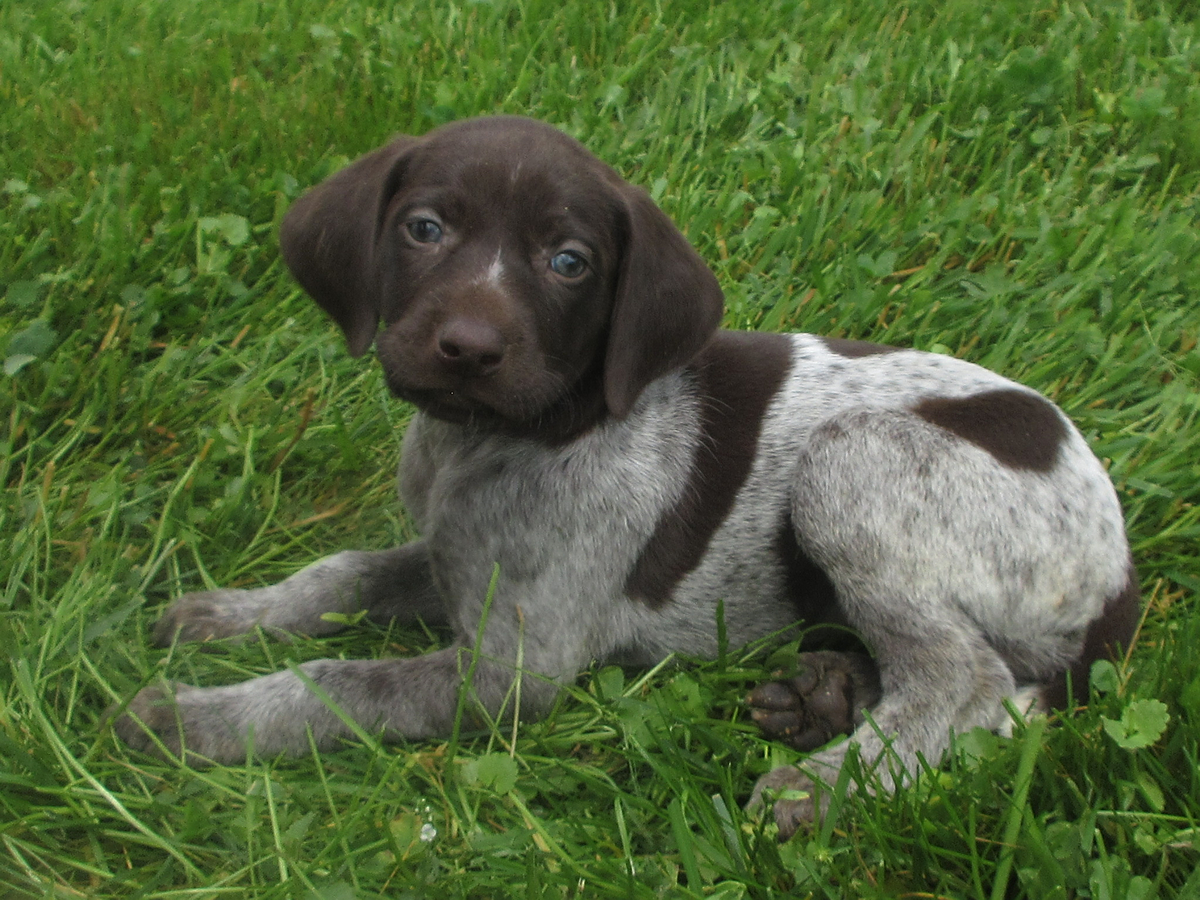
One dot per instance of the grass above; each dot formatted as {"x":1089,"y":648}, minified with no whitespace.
{"x":1015,"y":183}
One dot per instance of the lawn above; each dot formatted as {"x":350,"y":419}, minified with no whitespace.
{"x":1015,"y":183}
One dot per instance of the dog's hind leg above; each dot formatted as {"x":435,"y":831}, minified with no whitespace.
{"x":931,"y":685}
{"x":961,"y":572}
{"x":384,"y":584}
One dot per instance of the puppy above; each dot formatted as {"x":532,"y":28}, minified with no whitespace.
{"x":585,"y":432}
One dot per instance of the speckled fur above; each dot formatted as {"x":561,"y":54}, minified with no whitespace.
{"x":971,"y":580}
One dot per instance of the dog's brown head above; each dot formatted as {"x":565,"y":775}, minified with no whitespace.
{"x":521,"y":282}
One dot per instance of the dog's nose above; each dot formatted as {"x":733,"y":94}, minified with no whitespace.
{"x":470,"y":347}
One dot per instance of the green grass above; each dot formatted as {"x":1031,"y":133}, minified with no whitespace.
{"x":1015,"y":183}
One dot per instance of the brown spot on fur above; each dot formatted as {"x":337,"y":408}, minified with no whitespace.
{"x":1107,"y":636}
{"x":854,"y":349}
{"x":737,"y":375}
{"x":1020,"y":429}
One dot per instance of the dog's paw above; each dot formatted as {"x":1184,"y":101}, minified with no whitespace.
{"x":824,"y":700}
{"x":794,"y":797}
{"x":153,"y":713}
{"x":205,"y":616}
{"x":178,"y":722}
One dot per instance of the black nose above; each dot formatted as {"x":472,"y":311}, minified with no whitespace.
{"x":470,"y":347}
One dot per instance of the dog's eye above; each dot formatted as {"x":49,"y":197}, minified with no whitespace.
{"x":568,"y":264}
{"x":424,"y":231}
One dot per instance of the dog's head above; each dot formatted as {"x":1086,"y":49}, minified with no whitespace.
{"x":519,"y":279}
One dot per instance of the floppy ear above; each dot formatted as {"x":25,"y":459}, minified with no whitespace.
{"x":668,"y":304}
{"x":328,"y":239}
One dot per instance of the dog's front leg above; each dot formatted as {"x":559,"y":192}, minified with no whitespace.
{"x":398,"y":698}
{"x":412,"y":698}
{"x":384,"y":584}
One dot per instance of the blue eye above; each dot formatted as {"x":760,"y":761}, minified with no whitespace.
{"x":424,"y":231}
{"x":568,"y":264}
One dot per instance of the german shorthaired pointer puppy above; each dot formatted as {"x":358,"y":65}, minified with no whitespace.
{"x":586,"y":432}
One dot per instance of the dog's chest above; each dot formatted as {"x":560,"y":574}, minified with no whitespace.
{"x":572,"y":516}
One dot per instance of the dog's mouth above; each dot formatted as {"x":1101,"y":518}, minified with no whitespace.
{"x":525,"y":395}
{"x":461,"y":406}
{"x":448,"y":404}
{"x":555,"y":417}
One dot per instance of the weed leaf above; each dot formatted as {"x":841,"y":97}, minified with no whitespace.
{"x":497,"y":771}
{"x":1141,"y":724}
